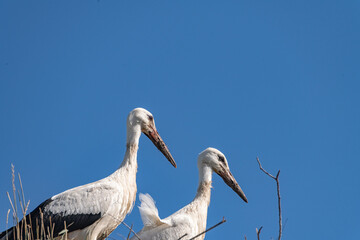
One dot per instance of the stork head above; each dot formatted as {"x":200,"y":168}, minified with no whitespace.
{"x":216,"y":160}
{"x":143,"y":119}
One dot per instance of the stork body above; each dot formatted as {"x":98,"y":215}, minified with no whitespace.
{"x":94,"y":210}
{"x":191,"y":219}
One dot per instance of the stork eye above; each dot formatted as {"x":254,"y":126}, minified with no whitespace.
{"x":150,"y":117}
{"x":221,"y":159}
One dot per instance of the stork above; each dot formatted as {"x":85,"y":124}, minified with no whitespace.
{"x":94,"y":210}
{"x":191,"y":219}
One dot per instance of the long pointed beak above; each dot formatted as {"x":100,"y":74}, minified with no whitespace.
{"x":154,"y":136}
{"x":229,"y":179}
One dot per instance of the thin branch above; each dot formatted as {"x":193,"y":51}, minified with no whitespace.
{"x":222,"y":221}
{"x":128,"y":236}
{"x":183,"y":236}
{"x":279,"y":204}
{"x":258,"y":232}
{"x":257,"y":158}
{"x":130,"y":228}
{"x":278,"y":194}
{"x":126,"y":226}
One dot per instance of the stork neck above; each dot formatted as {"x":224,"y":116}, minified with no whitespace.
{"x":130,"y":158}
{"x":133,"y":134}
{"x":132,"y":142}
{"x":204,"y":188}
{"x":205,"y":173}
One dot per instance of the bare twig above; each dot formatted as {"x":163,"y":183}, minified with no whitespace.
{"x":278,"y":194}
{"x":130,"y":228}
{"x":222,"y":221}
{"x":128,"y":236}
{"x":258,"y":232}
{"x":183,"y":236}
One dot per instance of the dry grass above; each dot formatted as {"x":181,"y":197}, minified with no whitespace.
{"x":25,"y":229}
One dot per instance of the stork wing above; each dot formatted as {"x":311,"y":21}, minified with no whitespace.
{"x":77,"y":208}
{"x":149,"y":213}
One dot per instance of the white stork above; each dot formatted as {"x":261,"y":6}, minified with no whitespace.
{"x":191,"y":219}
{"x":94,"y":210}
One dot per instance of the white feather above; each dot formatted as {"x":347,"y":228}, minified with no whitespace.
{"x":148,"y":211}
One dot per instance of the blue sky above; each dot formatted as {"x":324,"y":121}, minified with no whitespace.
{"x":278,"y":80}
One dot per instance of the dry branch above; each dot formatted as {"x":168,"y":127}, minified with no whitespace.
{"x":183,"y":236}
{"x":258,"y":232}
{"x":128,"y":236}
{"x":278,"y":195}
{"x":130,"y":228}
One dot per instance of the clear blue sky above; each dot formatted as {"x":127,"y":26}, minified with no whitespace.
{"x":274,"y":79}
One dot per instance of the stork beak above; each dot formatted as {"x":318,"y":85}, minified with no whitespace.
{"x":229,"y":179}
{"x":154,"y":136}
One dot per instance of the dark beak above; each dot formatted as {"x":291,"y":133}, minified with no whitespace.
{"x":154,"y":136}
{"x":231,"y":182}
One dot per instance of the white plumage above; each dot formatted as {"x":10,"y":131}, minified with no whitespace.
{"x":148,"y":210}
{"x":94,"y":210}
{"x":191,"y":219}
